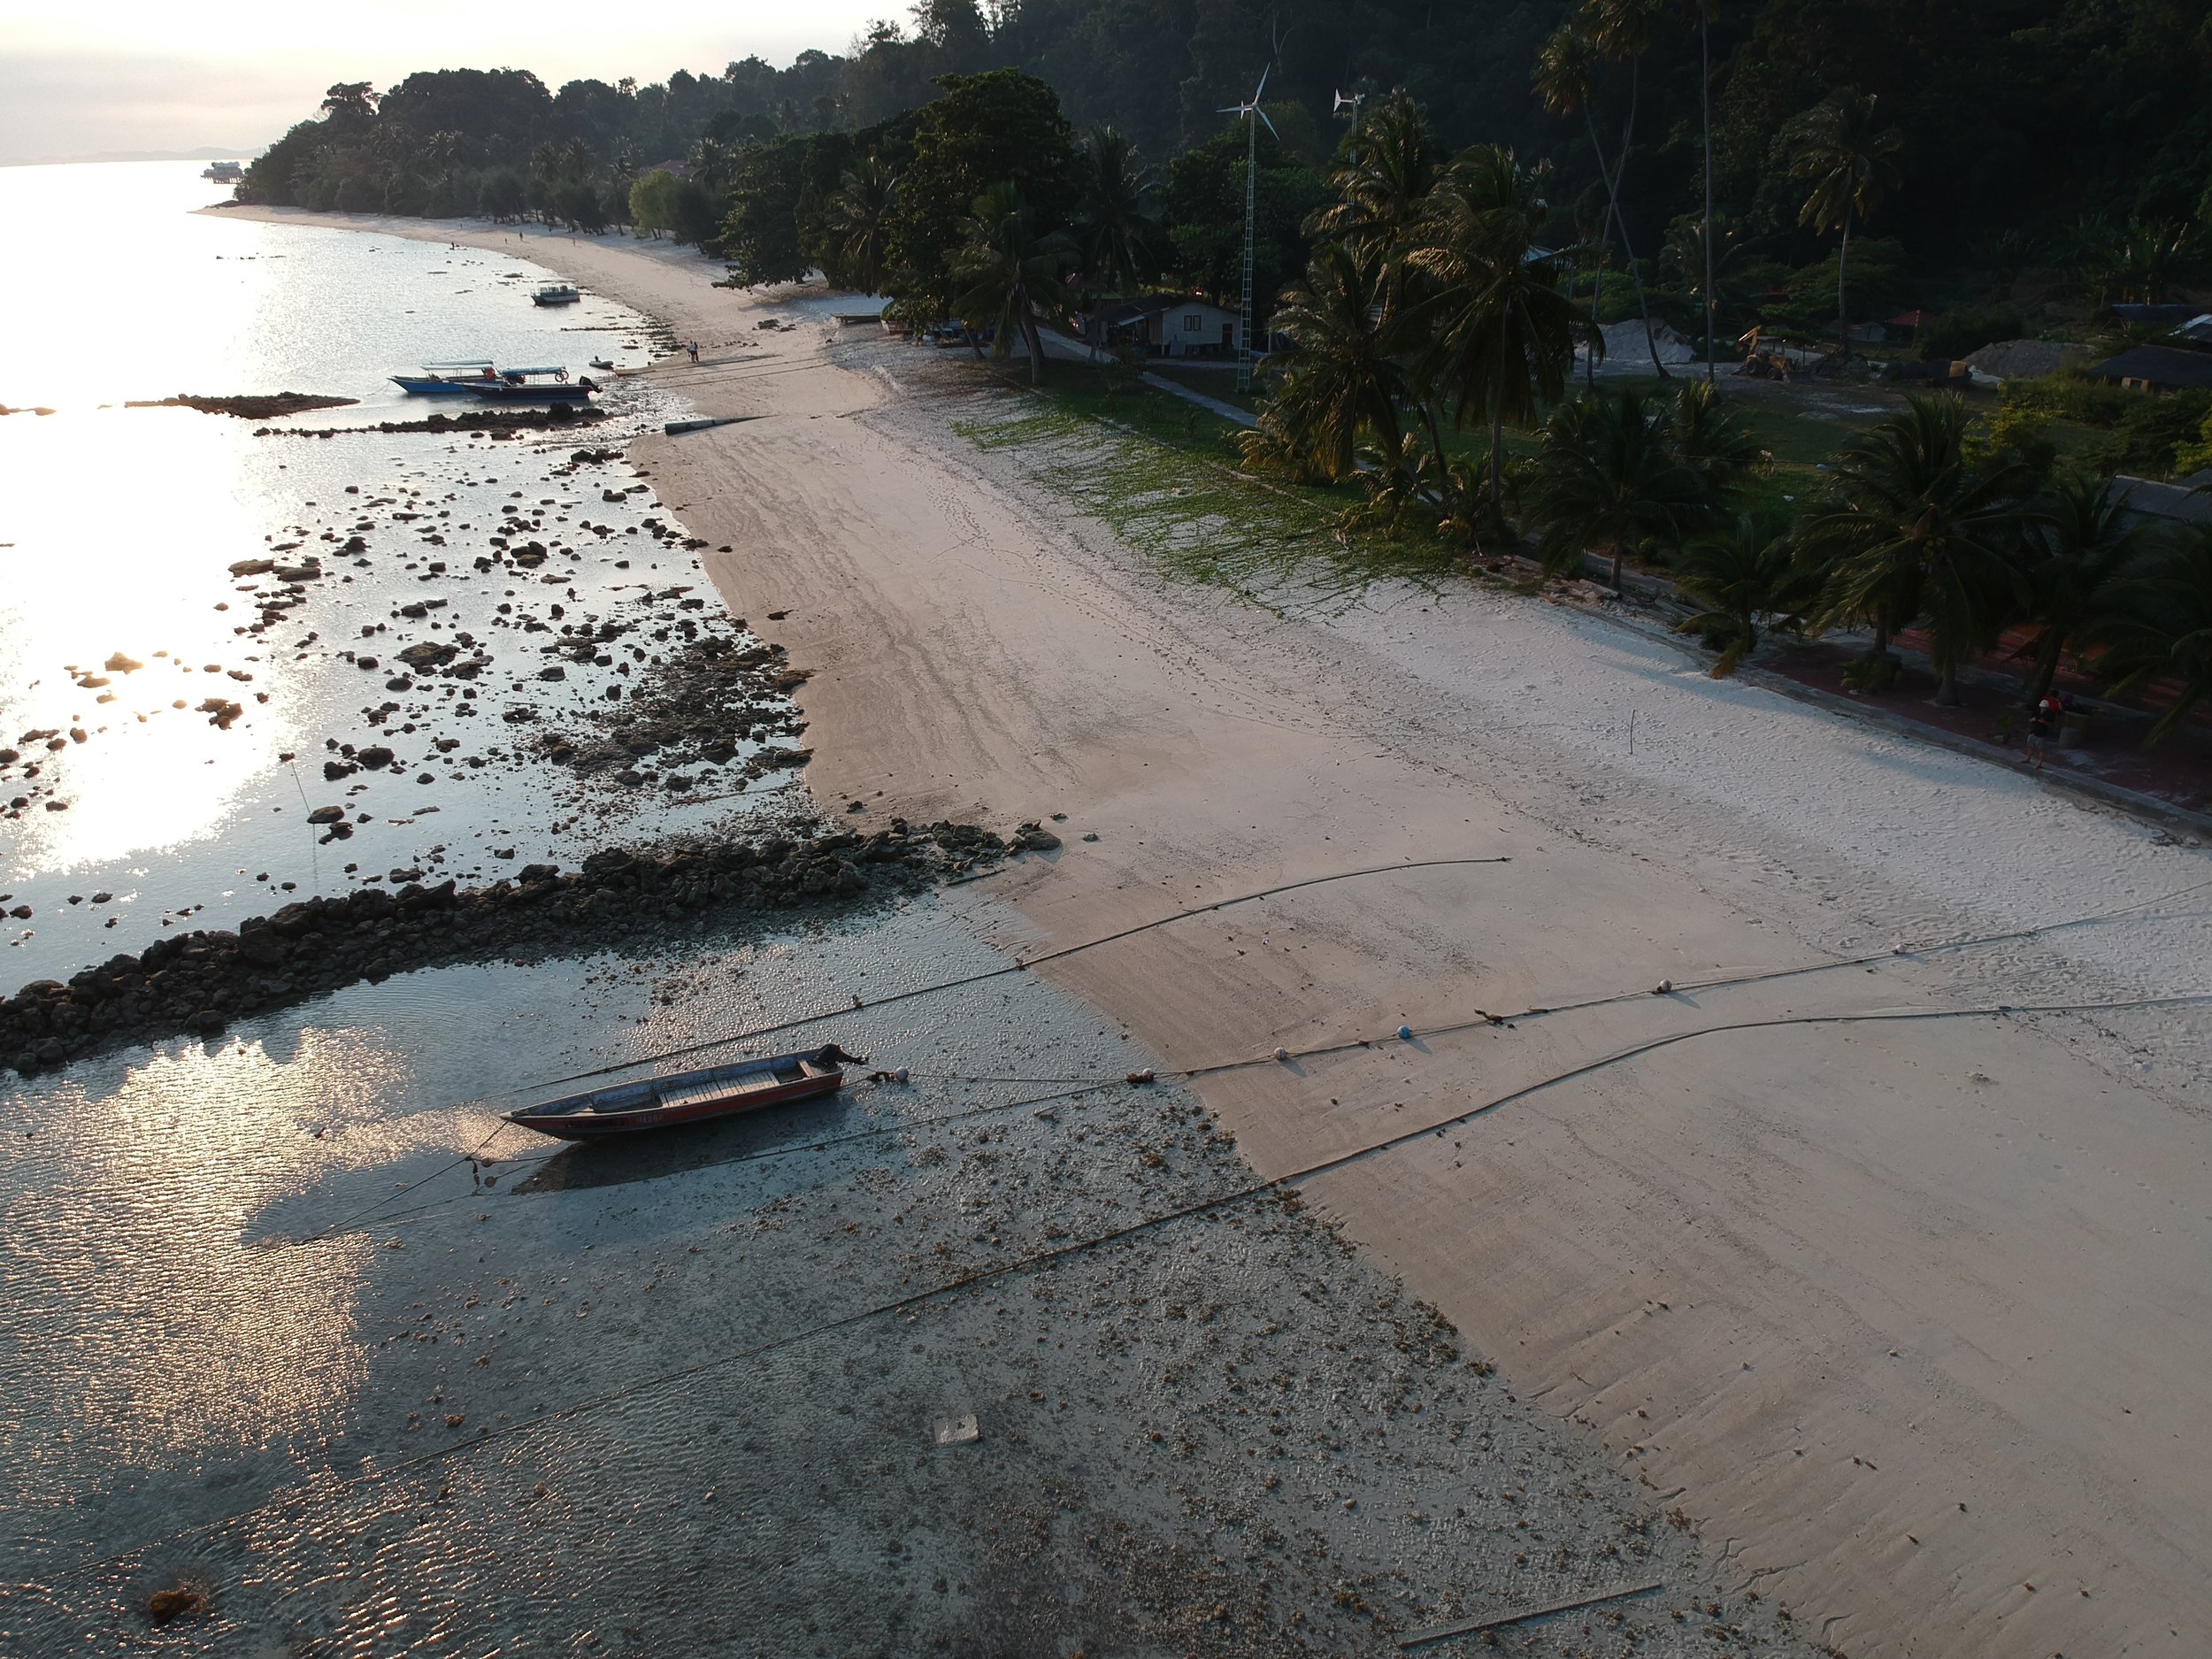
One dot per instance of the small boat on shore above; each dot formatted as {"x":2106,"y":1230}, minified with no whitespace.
{"x":690,"y":1097}
{"x":438,"y":379}
{"x":603,"y":363}
{"x":532,"y":385}
{"x":556,"y":294}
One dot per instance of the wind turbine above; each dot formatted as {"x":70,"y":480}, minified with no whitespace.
{"x":1250,"y":110}
{"x":1348,"y":101}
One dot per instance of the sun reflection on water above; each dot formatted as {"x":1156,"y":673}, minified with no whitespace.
{"x":139,"y":1308}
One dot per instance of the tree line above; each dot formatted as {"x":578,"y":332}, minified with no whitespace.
{"x":1429,"y":306}
{"x":2053,"y":150}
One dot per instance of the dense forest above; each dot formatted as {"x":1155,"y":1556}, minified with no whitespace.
{"x":2063,"y":137}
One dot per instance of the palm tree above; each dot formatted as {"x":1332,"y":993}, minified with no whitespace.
{"x":1565,"y":70}
{"x":1713,"y":442}
{"x":1739,"y":575}
{"x":1386,"y":166}
{"x":2161,"y":627}
{"x":1501,"y":330}
{"x":1344,"y":379}
{"x":1623,"y":30}
{"x":858,"y":216}
{"x":1909,"y":527}
{"x":1840,"y":149}
{"x":1010,"y":270}
{"x":2083,"y":545}
{"x":1607,"y":478}
{"x":1115,"y":229}
{"x":1702,"y":12}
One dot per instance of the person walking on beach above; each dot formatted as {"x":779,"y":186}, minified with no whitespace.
{"x":695,"y":351}
{"x":2042,"y":722}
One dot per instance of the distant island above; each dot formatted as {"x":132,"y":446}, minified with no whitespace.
{"x":205,"y":152}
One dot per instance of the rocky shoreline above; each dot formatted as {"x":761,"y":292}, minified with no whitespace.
{"x":482,"y":420}
{"x":264,"y":406}
{"x":199,"y":982}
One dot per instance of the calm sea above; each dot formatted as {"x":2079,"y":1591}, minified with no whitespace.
{"x":119,"y":526}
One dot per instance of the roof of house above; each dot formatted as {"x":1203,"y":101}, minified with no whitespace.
{"x":1908,"y":319}
{"x":1152,"y":306}
{"x":2158,"y":365}
{"x":2156,"y":313}
{"x":681,"y":169}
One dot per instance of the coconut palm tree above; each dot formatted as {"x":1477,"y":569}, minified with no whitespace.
{"x":2083,"y":545}
{"x":1703,"y":12}
{"x":1623,"y":30}
{"x":1386,"y":166}
{"x":1009,"y":268}
{"x":1607,"y":478}
{"x":1343,"y":380}
{"x":1115,"y":229}
{"x":1909,"y":527}
{"x":1713,"y":442}
{"x":1566,"y":70}
{"x":2161,"y":627}
{"x":857,"y":217}
{"x":1841,"y":148}
{"x":1739,"y":575}
{"x":1500,"y":329}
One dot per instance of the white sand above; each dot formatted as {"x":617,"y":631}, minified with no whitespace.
{"x":1906,"y":1318}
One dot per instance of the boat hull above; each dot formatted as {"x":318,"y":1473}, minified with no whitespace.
{"x":431,"y":386}
{"x":688,"y":1098}
{"x":570,"y":393}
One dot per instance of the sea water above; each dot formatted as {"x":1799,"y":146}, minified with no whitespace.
{"x":118,"y":525}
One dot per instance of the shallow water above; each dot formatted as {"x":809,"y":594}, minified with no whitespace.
{"x":292,"y":1323}
{"x":121,"y":525}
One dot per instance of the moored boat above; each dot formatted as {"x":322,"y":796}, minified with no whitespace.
{"x":446,"y":378}
{"x":556,"y":294}
{"x":534,"y":386}
{"x":689,"y":1097}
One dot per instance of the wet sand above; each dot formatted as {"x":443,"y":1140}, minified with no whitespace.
{"x":1904,"y":1310}
{"x":1009,"y":1359}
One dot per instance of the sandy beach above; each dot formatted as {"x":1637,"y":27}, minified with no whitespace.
{"x":1901,"y":1300}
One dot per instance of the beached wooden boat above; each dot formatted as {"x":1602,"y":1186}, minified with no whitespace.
{"x":556,"y":294}
{"x":689,"y":1097}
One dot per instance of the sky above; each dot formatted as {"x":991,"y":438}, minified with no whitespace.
{"x":79,"y":77}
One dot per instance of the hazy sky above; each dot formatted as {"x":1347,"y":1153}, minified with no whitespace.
{"x":82,"y":76}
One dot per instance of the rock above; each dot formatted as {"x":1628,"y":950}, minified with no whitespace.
{"x":367,"y":663}
{"x":208,"y":1021}
{"x":252,"y":567}
{"x":327,"y":815}
{"x":336,"y":769}
{"x":295,"y":919}
{"x":376,"y":756}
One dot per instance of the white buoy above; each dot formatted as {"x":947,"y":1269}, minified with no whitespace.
{"x":1664,"y":986}
{"x":1282,"y":1054}
{"x":902,"y":1075}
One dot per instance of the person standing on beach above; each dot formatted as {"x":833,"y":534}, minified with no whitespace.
{"x":2042,"y":721}
{"x":695,"y":351}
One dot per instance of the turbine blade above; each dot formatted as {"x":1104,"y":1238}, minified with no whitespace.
{"x":1262,"y":86}
{"x":1271,"y":125}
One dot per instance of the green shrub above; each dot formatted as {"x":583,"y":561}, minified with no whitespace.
{"x":2147,"y":437}
{"x":2072,"y":394}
